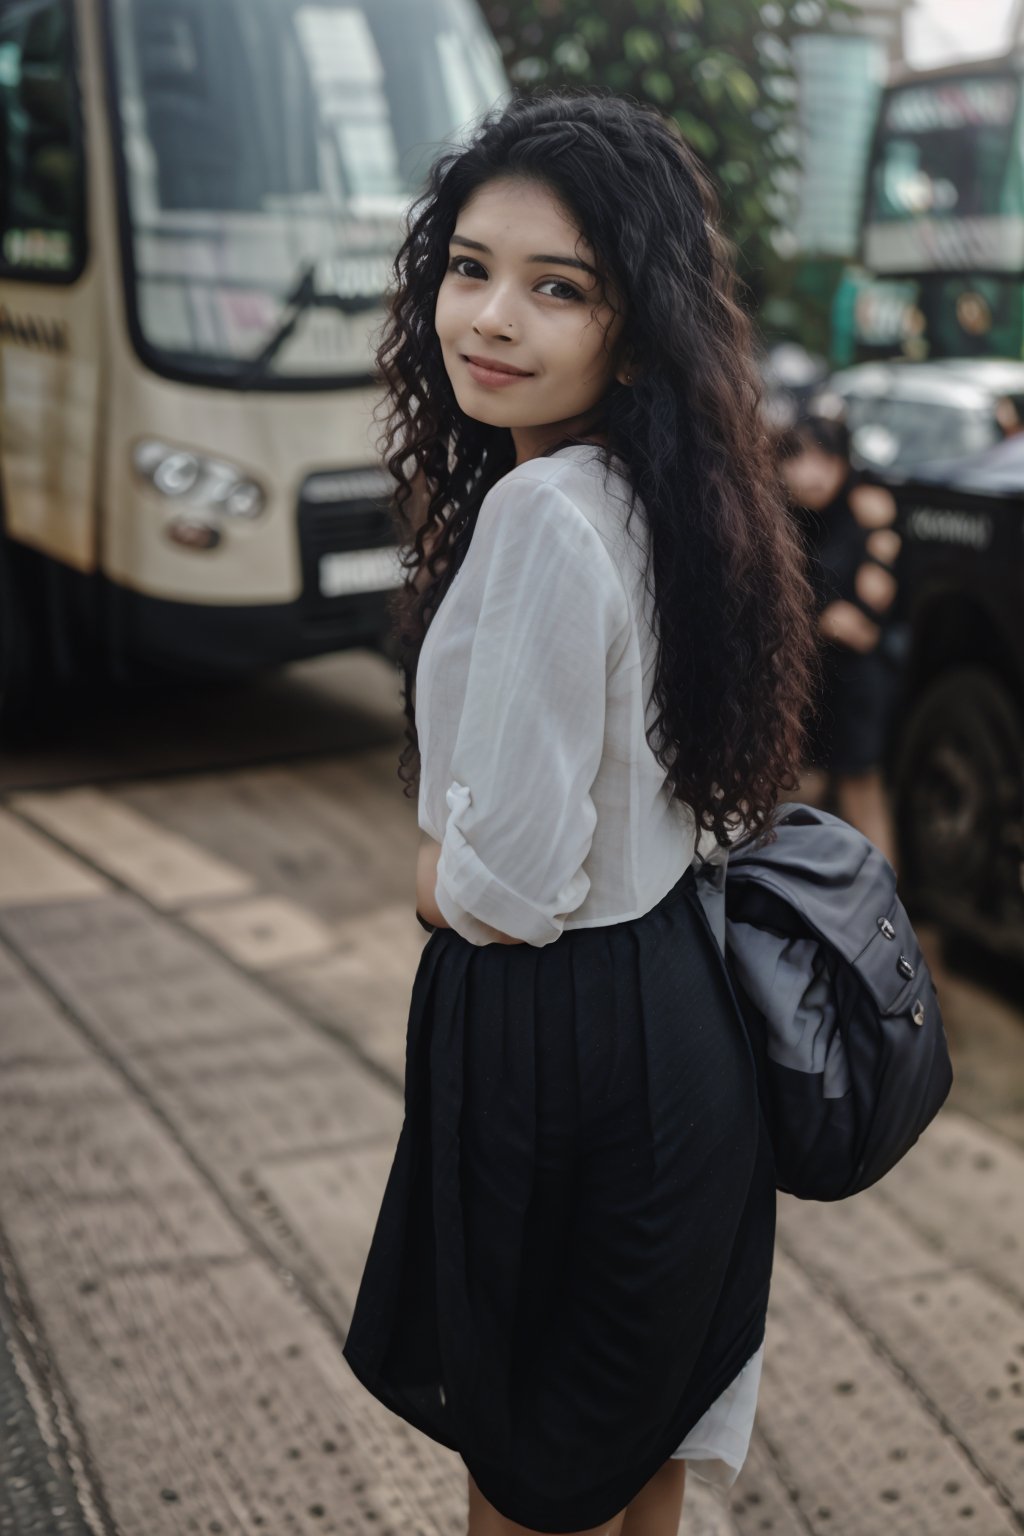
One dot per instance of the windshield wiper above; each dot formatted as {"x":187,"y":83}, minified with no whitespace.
{"x":304,"y":296}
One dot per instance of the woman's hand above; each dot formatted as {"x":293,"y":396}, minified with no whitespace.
{"x":846,"y":625}
{"x":426,"y":881}
{"x":426,"y":884}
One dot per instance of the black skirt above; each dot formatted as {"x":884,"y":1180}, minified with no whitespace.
{"x":573,"y":1253}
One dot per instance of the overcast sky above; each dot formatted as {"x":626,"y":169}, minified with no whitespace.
{"x":942,"y":31}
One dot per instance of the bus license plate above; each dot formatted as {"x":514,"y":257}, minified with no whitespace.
{"x":359,"y":570}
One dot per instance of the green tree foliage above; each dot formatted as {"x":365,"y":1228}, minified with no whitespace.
{"x":722,"y":68}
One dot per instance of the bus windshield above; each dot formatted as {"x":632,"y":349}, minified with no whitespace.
{"x":260,"y":137}
{"x":945,"y":187}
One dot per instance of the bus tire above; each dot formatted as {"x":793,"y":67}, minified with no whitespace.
{"x":22,"y":643}
{"x":959,"y":802}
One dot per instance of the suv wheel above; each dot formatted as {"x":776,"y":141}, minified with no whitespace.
{"x":959,"y":789}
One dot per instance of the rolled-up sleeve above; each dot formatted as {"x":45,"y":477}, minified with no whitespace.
{"x":528,"y":748}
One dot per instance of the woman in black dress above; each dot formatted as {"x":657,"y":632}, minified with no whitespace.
{"x":608,"y":647}
{"x":846,"y":526}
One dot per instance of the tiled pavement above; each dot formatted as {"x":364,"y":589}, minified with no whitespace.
{"x":203,"y":987}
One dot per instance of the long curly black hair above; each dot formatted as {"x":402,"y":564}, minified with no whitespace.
{"x":736,"y":649}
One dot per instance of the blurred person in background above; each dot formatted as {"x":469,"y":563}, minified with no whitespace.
{"x":851,"y":548}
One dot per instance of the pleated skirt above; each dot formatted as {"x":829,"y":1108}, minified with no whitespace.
{"x":573,"y":1252}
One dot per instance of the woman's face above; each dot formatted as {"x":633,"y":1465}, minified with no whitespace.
{"x":813,"y":476}
{"x":526,"y":328}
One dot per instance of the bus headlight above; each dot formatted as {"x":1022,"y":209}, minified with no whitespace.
{"x":196,"y":481}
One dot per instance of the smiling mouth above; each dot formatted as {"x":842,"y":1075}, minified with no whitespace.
{"x":484,"y":367}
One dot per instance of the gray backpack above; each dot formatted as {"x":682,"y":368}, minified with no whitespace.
{"x":838,"y":1003}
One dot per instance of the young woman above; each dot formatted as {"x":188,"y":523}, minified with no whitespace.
{"x":851,"y":546}
{"x":609,"y":642}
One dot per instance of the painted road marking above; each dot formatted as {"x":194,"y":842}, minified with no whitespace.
{"x":263,"y":932}
{"x":32,"y":870}
{"x":166,"y":869}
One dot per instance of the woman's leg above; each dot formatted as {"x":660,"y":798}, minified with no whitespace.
{"x":658,"y":1507}
{"x":484,"y":1520}
{"x":655,"y":1511}
{"x":863,"y":802}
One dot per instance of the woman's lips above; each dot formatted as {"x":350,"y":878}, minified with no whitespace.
{"x":494,"y":375}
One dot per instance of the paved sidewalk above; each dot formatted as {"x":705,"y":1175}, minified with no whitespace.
{"x":199,"y":1097}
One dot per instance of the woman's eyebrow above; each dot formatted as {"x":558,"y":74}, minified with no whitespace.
{"x":557,"y":261}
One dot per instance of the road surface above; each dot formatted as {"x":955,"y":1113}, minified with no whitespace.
{"x":206,"y":949}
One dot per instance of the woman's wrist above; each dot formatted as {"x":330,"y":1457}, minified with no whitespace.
{"x":428,"y":913}
{"x":427,"y":908}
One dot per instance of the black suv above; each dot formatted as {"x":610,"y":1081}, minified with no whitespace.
{"x":905,"y":415}
{"x":958,"y":746}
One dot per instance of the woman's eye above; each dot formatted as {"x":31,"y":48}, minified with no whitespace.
{"x":551,"y":287}
{"x":555,"y":288}
{"x":461,"y":264}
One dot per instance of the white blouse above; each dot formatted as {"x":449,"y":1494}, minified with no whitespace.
{"x":536,"y":777}
{"x":535,"y":773}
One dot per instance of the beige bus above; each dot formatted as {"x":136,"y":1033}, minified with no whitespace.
{"x":199,"y":200}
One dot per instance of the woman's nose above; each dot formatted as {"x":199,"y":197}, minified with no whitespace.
{"x":496,"y":315}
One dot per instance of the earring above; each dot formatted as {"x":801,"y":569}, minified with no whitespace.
{"x":629,"y":378}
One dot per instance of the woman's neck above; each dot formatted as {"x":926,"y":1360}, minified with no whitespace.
{"x":535,"y":442}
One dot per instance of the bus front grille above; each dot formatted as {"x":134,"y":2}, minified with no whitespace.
{"x":346,"y":541}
